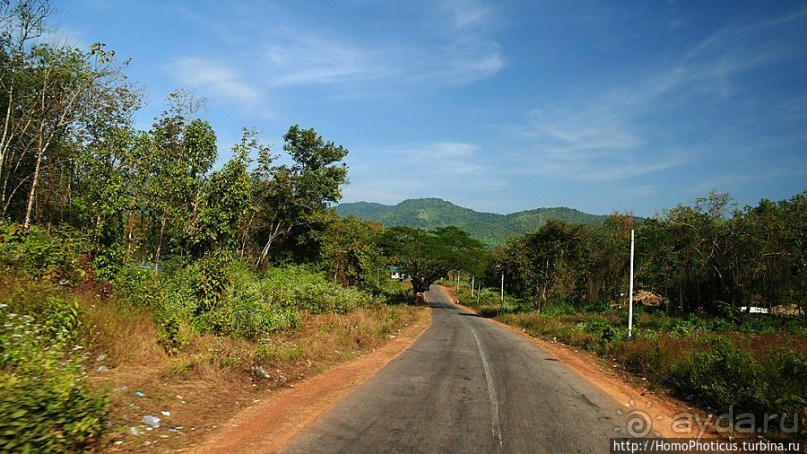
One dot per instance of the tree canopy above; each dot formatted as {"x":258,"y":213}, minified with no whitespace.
{"x":426,"y":256}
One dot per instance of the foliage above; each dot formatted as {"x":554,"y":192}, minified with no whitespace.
{"x":309,"y":291}
{"x":704,"y":258}
{"x":427,"y":256}
{"x":55,"y":256}
{"x":698,"y":360}
{"x":347,"y":249}
{"x":46,"y":401}
{"x":212,"y":279}
{"x":287,"y":196}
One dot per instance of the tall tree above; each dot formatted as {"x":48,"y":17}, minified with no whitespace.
{"x":427,"y":256}
{"x":52,"y":95}
{"x":183,"y":152}
{"x":287,"y":196}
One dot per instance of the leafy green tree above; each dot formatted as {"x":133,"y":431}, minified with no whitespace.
{"x":183,"y":152}
{"x":53,"y":100}
{"x":227,"y":199}
{"x":288,"y":196}
{"x":346,"y":248}
{"x":426,"y":256}
{"x":554,"y":251}
{"x":606,"y":257}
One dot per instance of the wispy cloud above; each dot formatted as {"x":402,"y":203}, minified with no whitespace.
{"x":450,"y":45}
{"x":451,"y":158}
{"x":299,"y":59}
{"x":613,"y":136}
{"x":467,"y":13}
{"x":215,"y":77}
{"x":295,"y":58}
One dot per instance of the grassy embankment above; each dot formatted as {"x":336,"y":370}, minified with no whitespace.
{"x":751,"y":367}
{"x":83,"y":360}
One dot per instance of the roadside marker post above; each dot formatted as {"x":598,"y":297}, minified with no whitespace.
{"x":630,"y":288}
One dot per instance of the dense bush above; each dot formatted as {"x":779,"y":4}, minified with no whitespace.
{"x":56,"y":255}
{"x":310,"y":291}
{"x":46,"y":401}
{"x":139,"y":285}
{"x":220,"y":295}
{"x":704,"y":359}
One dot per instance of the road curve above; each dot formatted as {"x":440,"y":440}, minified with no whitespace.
{"x":467,"y":385}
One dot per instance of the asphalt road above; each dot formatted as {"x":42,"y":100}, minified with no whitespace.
{"x":468,"y":386}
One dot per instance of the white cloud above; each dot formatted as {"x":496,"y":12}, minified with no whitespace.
{"x":607,"y":137}
{"x":298,"y":59}
{"x":467,"y":13}
{"x":222,"y":81}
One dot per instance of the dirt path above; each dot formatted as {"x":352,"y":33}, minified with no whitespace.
{"x":271,"y":424}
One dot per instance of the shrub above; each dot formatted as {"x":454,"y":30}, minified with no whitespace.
{"x":719,"y":374}
{"x":310,"y":291}
{"x":55,"y":256}
{"x":213,"y":277}
{"x":139,"y":285}
{"x":601,"y":327}
{"x":248,"y":308}
{"x":46,"y":401}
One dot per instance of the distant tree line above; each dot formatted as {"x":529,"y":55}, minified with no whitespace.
{"x":707,"y":258}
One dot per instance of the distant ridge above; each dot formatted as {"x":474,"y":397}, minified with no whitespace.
{"x":489,"y":228}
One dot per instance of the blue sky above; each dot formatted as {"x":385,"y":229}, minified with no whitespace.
{"x":498,"y":106}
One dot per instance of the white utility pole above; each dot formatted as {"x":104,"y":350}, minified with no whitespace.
{"x":501,"y":298}
{"x":630,"y":289}
{"x":472,"y":286}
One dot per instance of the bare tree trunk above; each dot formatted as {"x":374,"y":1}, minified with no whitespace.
{"x":129,"y":237}
{"x":265,"y":252}
{"x":244,"y":236}
{"x":32,"y":193}
{"x":159,"y":245}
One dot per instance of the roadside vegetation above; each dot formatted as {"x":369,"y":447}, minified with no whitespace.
{"x":83,"y":360}
{"x":146,"y":274}
{"x":699,"y":268}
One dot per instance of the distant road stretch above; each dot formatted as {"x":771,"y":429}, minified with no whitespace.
{"x":470,"y":386}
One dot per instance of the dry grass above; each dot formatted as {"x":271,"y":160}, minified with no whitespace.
{"x":212,"y":378}
{"x":126,"y":335}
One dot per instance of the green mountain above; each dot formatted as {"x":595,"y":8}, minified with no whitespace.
{"x":489,"y":228}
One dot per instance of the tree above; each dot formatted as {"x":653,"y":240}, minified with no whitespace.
{"x":426,"y":256}
{"x":227,"y":199}
{"x":183,"y":152}
{"x":345,"y":248}
{"x":287,"y":196}
{"x":51,"y":96}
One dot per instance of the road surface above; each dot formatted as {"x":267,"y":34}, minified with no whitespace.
{"x":467,"y":385}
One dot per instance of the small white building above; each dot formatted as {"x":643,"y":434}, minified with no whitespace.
{"x":754,"y":310}
{"x":395,"y":273}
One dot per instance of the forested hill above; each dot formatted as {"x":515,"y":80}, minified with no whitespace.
{"x":490,"y":228}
